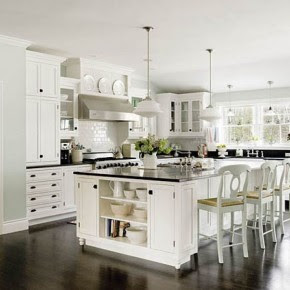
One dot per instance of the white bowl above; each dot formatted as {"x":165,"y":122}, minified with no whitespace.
{"x":140,"y":213}
{"x":120,"y":209}
{"x":130,"y":194}
{"x":142,"y":193}
{"x":136,"y":235}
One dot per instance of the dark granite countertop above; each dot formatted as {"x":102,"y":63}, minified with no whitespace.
{"x":57,"y":165}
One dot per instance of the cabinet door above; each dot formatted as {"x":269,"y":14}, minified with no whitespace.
{"x":49,"y":131}
{"x":68,"y":188}
{"x":49,"y":80}
{"x":32,"y":130}
{"x":195,"y":119}
{"x":87,"y":207}
{"x":184,"y":117}
{"x":162,"y":218}
{"x":174,"y":118}
{"x":32,"y":78}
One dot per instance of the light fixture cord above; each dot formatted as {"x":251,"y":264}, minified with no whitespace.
{"x":210,"y":77}
{"x":229,"y":96}
{"x":148,"y":65}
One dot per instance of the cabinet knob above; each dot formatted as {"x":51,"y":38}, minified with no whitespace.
{"x":131,"y":129}
{"x":33,"y":175}
{"x":33,"y":198}
{"x":189,"y":130}
{"x":33,"y":210}
{"x":41,"y":156}
{"x":76,"y":128}
{"x":53,"y":195}
{"x":95,"y":186}
{"x":32,"y":187}
{"x":54,"y":184}
{"x":54,"y":206}
{"x":170,"y":130}
{"x":41,"y":90}
{"x":53,"y":173}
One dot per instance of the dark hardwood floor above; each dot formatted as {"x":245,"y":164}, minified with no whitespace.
{"x":49,"y":257}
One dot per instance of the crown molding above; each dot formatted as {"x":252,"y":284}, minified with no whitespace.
{"x":43,"y":56}
{"x":14,"y":41}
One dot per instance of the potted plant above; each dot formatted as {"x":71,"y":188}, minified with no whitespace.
{"x":149,"y":147}
{"x":222,"y":149}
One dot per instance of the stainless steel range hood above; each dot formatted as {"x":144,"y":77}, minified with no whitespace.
{"x":106,"y":109}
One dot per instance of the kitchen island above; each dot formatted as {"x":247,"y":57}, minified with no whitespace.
{"x":171,"y":205}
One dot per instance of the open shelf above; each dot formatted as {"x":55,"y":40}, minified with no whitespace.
{"x":66,"y":101}
{"x":125,"y":240}
{"x":128,"y":219}
{"x":135,"y":200}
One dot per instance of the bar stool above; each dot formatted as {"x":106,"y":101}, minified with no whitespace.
{"x":283,"y":189}
{"x":262,"y":196}
{"x":233,"y":203}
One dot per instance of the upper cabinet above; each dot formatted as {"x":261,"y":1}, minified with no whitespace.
{"x":42,"y":74}
{"x":98,"y":78}
{"x":180,"y":117}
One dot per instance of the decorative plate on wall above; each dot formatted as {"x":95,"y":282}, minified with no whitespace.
{"x":89,"y":83}
{"x":118,"y":88}
{"x":104,"y":86}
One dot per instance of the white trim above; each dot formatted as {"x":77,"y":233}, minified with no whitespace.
{"x":14,"y":41}
{"x":15,"y":226}
{"x":48,"y":219}
{"x":1,"y":157}
{"x":38,"y":56}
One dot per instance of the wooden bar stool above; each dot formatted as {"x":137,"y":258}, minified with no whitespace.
{"x":233,"y":203}
{"x":261,"y":197}
{"x":281,"y":190}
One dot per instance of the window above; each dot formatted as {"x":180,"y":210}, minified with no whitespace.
{"x":252,"y":126}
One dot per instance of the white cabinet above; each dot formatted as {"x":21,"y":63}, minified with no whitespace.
{"x":162,"y":218}
{"x":180,"y":116}
{"x":42,"y":131}
{"x":87,"y":195}
{"x":69,"y":198}
{"x":69,"y":107}
{"x":42,"y":74}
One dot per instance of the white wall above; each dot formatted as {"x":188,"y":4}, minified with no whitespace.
{"x":12,"y":73}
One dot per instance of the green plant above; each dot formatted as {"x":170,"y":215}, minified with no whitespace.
{"x":221,"y":146}
{"x":151,"y":145}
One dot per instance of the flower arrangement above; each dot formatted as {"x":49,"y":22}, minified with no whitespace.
{"x":151,"y":145}
{"x":220,"y":146}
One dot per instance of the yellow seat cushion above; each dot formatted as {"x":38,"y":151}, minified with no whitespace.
{"x":255,"y":194}
{"x":225,"y":201}
{"x":285,"y":187}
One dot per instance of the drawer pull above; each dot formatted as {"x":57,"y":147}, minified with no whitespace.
{"x":53,"y":173}
{"x":33,"y":198}
{"x":33,"y":210}
{"x":54,"y":206}
{"x":32,"y":187}
{"x":53,"y":195}
{"x":95,"y":186}
{"x":32,"y":175}
{"x":54,"y":184}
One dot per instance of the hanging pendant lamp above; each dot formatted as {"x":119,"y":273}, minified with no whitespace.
{"x":148,"y":107}
{"x":270,"y":111}
{"x":210,"y":113}
{"x":230,"y":112}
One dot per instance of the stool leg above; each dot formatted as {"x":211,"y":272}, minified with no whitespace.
{"x":232,"y":227}
{"x":281,"y":214}
{"x":260,"y":212}
{"x":198,"y":211}
{"x":220,"y":237}
{"x":244,"y":232}
{"x":255,"y":217}
{"x":274,"y":237}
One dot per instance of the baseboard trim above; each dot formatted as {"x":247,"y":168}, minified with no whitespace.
{"x":15,"y":226}
{"x":48,"y":219}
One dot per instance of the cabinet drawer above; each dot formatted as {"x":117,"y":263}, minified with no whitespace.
{"x":51,"y":174}
{"x":42,"y":209}
{"x":45,"y":186}
{"x":43,"y":198}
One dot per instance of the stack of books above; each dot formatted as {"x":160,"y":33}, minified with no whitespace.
{"x":116,"y":228}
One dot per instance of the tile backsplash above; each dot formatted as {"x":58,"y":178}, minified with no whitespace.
{"x":101,"y":136}
{"x":187,"y":144}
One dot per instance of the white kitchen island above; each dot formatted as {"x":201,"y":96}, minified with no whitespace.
{"x":171,"y":204}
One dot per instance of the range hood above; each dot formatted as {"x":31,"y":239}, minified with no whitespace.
{"x":106,"y":109}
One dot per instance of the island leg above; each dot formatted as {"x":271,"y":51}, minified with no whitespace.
{"x":81,"y":241}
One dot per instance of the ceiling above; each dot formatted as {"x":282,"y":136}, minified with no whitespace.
{"x":250,"y":38}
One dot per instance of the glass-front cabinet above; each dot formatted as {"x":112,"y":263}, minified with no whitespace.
{"x":68,"y":107}
{"x":183,"y":119}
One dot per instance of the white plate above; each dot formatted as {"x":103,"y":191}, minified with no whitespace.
{"x":89,"y":83}
{"x":104,"y":86}
{"x":64,"y":97}
{"x":118,"y":88}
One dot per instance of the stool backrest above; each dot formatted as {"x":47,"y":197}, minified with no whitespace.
{"x":236,"y":172}
{"x":285,"y":177}
{"x":269,"y":173}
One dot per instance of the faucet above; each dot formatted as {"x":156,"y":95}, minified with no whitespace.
{"x":252,"y":153}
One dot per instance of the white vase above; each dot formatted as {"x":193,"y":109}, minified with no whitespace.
{"x":150,"y":161}
{"x":222,"y":152}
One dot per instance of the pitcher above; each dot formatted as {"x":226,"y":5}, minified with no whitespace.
{"x":117,"y":187}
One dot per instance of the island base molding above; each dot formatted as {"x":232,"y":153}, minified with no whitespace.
{"x":142,"y":253}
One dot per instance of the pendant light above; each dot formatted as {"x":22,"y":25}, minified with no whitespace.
{"x":148,"y":107}
{"x":270,"y":111}
{"x":230,"y":112}
{"x":210,"y":113}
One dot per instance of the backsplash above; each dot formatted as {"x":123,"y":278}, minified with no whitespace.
{"x":187,"y":144}
{"x":101,"y":136}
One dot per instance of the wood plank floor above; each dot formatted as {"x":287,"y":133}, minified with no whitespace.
{"x":49,"y":257}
